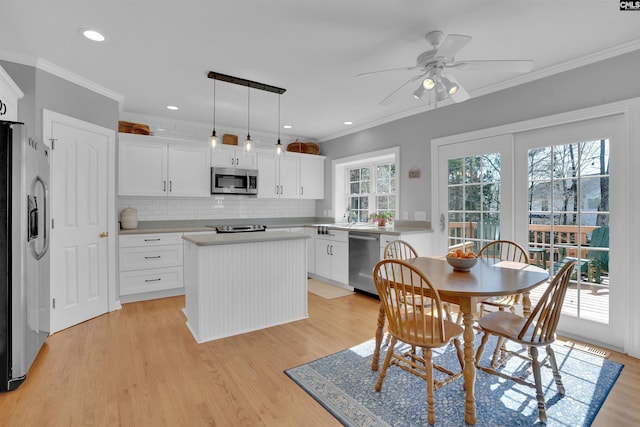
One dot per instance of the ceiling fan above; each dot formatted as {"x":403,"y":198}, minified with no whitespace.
{"x":433,"y":64}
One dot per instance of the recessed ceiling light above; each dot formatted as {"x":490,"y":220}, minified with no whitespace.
{"x":348,"y":123}
{"x":172,"y":107}
{"x":287,"y":126}
{"x":92,"y":35}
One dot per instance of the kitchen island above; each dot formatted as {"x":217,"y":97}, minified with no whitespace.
{"x":242,"y":282}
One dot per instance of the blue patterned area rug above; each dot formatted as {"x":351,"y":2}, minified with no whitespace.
{"x":344,"y":384}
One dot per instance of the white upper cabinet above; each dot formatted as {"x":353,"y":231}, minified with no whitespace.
{"x":288,"y":177}
{"x":153,"y":166}
{"x":189,"y":171}
{"x":293,"y":176}
{"x":312,"y":177}
{"x":277,"y":177}
{"x":232,"y":156}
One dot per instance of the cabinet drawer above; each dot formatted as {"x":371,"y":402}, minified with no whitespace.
{"x":339,"y":235}
{"x":133,"y":240}
{"x":135,"y":282}
{"x":153,"y":257}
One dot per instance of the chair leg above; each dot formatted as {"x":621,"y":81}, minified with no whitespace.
{"x":495,"y":359}
{"x":556,"y":372}
{"x":387,"y":339}
{"x":483,"y":342}
{"x":535,"y":365}
{"x":431,"y":401}
{"x":385,"y":365}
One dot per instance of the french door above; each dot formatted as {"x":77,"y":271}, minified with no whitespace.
{"x":566,"y":208}
{"x":551,"y":190}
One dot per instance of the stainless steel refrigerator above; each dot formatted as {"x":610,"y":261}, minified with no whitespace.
{"x":24,"y":252}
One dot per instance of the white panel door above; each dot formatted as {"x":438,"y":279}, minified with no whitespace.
{"x":79,"y":260}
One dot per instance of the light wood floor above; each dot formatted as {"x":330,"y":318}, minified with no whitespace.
{"x":140,"y":366}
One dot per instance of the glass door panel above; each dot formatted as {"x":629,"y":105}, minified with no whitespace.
{"x":473,"y":183}
{"x":570,"y":211}
{"x":569,"y":220}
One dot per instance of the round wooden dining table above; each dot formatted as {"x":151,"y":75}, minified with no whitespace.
{"x":489,"y":277}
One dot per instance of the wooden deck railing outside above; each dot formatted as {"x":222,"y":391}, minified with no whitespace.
{"x":566,"y":238}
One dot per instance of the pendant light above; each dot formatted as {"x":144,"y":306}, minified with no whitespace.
{"x":279,"y":148}
{"x":248,"y":144}
{"x":213,"y":139}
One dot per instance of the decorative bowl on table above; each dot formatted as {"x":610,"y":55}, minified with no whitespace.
{"x":461,"y":263}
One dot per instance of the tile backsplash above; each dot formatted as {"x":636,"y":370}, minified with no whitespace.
{"x":215,"y":207}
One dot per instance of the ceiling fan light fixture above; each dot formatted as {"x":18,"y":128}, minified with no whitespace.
{"x":450,"y":87}
{"x":428,"y":83}
{"x":419,"y":92}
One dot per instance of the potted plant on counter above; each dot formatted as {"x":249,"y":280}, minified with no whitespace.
{"x":381,"y":218}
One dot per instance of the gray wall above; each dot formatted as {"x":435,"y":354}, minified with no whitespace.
{"x":46,"y":91}
{"x":600,"y":83}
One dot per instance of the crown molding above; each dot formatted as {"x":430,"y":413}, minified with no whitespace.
{"x":516,"y":81}
{"x":560,"y":68}
{"x":44,"y":65}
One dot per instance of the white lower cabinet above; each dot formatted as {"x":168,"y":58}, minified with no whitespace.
{"x":332,"y":256}
{"x":150,"y":262}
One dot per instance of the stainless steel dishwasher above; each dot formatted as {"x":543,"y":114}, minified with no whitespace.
{"x":364,"y":254}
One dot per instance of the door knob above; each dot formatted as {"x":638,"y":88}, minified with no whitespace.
{"x":104,"y":234}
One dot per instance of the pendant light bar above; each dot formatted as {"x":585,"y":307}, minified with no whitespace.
{"x":245,"y":82}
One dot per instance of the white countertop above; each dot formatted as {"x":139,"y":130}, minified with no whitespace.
{"x":239,"y":238}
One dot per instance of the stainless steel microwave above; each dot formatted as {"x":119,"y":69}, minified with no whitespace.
{"x":234,"y":181}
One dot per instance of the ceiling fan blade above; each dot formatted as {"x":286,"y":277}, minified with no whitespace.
{"x":388,"y":98}
{"x":516,"y":66}
{"x":384,"y":71}
{"x":451,"y":45}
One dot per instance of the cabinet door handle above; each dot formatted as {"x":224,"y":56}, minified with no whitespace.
{"x":153,"y":280}
{"x":170,"y":186}
{"x":151,"y":240}
{"x":275,"y":190}
{"x":164,"y":186}
{"x":302,"y":190}
{"x":237,"y":162}
{"x":331,"y":250}
{"x":328,"y":250}
{"x":281,"y":190}
{"x":152,"y":257}
{"x":233,"y":161}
